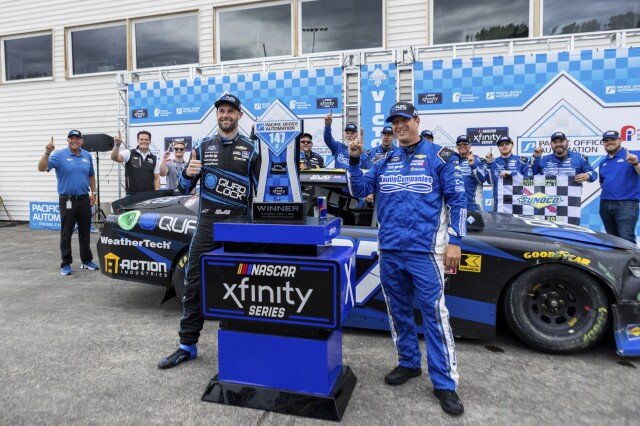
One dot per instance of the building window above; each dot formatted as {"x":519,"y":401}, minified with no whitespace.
{"x":97,"y":50}
{"x":28,"y":57}
{"x":254,"y":32}
{"x":463,"y":21}
{"x":331,"y":25}
{"x":166,"y":42}
{"x":580,"y":16}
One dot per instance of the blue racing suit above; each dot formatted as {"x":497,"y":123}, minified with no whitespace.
{"x":339,"y":150}
{"x":569,"y":165}
{"x":514,"y":164}
{"x":473,"y":176}
{"x":421,"y":209}
{"x":373,"y":155}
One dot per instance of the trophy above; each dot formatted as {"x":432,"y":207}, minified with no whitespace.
{"x":278,"y":197}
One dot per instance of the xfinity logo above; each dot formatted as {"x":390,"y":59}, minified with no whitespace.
{"x":273,"y":294}
{"x":326,"y":103}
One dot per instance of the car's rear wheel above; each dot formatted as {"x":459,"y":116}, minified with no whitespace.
{"x":557,"y":308}
{"x":178,"y":275}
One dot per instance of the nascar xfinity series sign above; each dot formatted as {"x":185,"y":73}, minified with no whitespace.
{"x":279,"y":291}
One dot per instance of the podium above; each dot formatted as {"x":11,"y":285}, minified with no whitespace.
{"x":281,"y":292}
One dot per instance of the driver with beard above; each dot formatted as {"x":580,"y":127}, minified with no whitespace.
{"x":227,"y":166}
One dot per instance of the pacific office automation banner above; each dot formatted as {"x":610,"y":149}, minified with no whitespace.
{"x":183,"y":109}
{"x":529,"y":97}
{"x":554,"y":198}
{"x":378,"y":94}
{"x":44,"y":215}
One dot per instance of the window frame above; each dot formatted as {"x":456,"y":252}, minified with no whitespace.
{"x":530,"y":23}
{"x":69,"y":47}
{"x":133,"y":48}
{"x":383,"y":36}
{"x":542,"y":34}
{"x":247,"y":6}
{"x":3,"y":58}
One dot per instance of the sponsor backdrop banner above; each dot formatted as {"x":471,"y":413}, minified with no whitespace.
{"x":44,"y":215}
{"x":183,"y":109}
{"x":529,"y":97}
{"x":554,"y":198}
{"x":378,"y":85}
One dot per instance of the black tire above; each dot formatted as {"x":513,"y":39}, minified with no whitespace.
{"x":177,"y":278}
{"x":557,"y":308}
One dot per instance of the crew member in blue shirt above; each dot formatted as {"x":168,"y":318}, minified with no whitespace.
{"x":474,"y":172}
{"x":620,"y":188}
{"x":77,"y":193}
{"x":507,"y":164}
{"x":375,"y":154}
{"x":427,"y":134}
{"x":562,"y":162}
{"x":339,"y":149}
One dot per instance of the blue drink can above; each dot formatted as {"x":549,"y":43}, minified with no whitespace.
{"x":322,"y":208}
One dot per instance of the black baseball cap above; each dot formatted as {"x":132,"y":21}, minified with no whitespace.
{"x":558,"y":135}
{"x":74,"y":134}
{"x":350,"y":127}
{"x":228,"y":98}
{"x":610,"y":134}
{"x":402,"y":109}
{"x":462,"y":138}
{"x":387,"y":130}
{"x":426,"y":134}
{"x":503,"y":139}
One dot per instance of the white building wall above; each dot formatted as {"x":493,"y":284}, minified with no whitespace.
{"x":407,"y":23}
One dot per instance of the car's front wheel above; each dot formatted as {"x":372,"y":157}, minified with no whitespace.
{"x":557,"y":308}
{"x":178,"y":276}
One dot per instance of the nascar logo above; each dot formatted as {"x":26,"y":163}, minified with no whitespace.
{"x":540,"y":200}
{"x":266,"y":270}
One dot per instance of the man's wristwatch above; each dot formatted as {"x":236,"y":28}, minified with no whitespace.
{"x":47,"y":153}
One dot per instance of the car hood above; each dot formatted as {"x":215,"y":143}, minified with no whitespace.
{"x":554,"y":231}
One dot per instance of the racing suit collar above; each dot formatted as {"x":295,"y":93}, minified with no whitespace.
{"x":227,"y":141}
{"x":410,"y":149}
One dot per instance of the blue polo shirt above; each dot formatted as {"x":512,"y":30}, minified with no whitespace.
{"x":73,"y":171}
{"x":618,"y":179}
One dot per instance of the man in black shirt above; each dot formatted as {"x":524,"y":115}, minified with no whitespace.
{"x":141,"y":167}
{"x":311,"y":159}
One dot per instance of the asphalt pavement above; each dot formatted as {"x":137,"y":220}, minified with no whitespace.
{"x":83,"y":349}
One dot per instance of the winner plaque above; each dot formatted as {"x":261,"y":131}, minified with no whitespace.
{"x":278,"y":198}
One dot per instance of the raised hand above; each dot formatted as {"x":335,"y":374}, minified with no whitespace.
{"x":355,"y":148}
{"x":537,"y":152}
{"x":118,"y":139}
{"x":489,"y":156}
{"x":471,"y":159}
{"x":632,"y":159}
{"x":195,"y":165}
{"x":328,"y":119}
{"x":50,"y":147}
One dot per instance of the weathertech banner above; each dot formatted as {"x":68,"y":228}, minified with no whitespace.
{"x":553,"y":198}
{"x":378,"y":83}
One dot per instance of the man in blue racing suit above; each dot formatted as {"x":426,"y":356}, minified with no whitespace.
{"x":375,"y":154}
{"x":417,"y":198}
{"x":474,"y":172}
{"x":339,"y":150}
{"x":507,"y":164}
{"x":227,"y":166}
{"x":562,"y":162}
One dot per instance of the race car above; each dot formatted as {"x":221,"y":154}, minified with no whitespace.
{"x":559,"y":287}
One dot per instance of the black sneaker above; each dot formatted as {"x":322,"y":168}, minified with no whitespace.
{"x":449,"y":401}
{"x":183,"y":354}
{"x":401,"y":374}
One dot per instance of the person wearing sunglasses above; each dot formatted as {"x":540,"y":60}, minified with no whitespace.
{"x":474,"y":173}
{"x":311,"y":160}
{"x":172,"y":168}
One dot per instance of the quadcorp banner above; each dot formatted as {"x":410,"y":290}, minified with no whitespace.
{"x":529,"y":97}
{"x":378,"y":94}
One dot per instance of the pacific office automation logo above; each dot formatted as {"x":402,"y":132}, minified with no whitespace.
{"x":377,"y":77}
{"x":627,"y":133}
{"x":128,"y":220}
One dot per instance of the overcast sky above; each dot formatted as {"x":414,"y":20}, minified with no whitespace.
{"x":453,"y":20}
{"x":562,"y":12}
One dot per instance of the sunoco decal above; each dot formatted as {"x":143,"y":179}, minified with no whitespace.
{"x":539,"y":200}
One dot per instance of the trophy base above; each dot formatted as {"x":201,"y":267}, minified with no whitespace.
{"x":330,"y":407}
{"x":278,"y":212}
